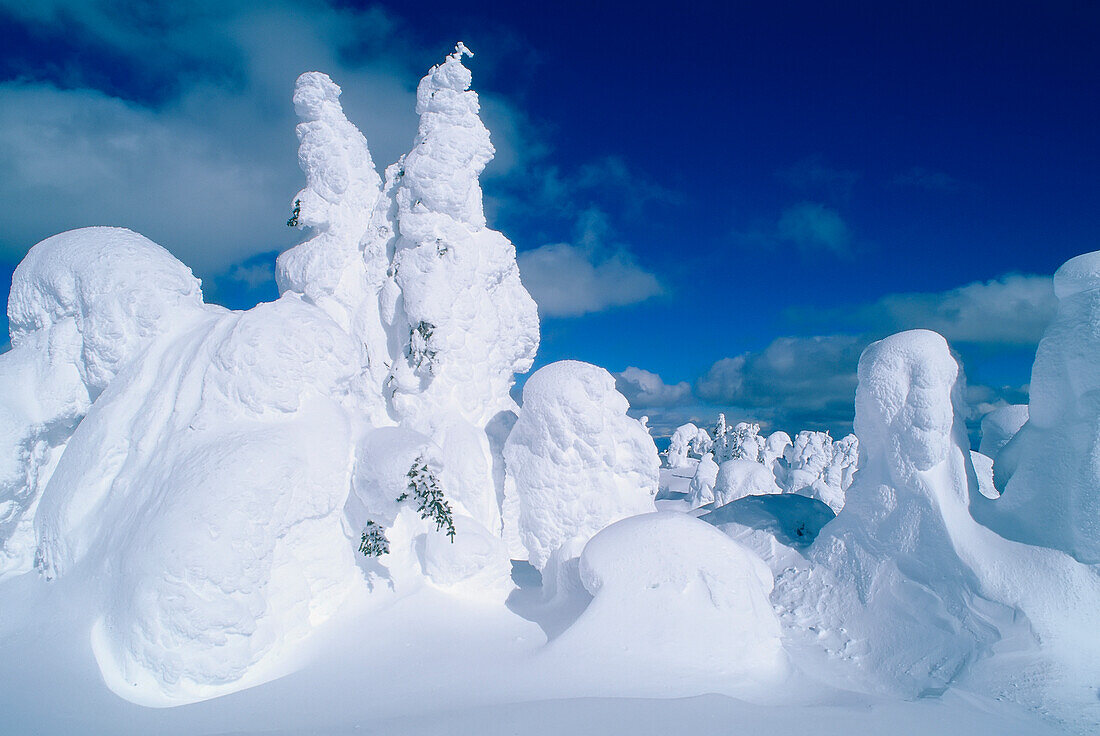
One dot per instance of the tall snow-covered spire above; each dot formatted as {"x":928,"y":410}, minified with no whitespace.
{"x":471,"y":324}
{"x":342,"y":187}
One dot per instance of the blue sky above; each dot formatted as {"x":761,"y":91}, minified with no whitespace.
{"x":722,"y":202}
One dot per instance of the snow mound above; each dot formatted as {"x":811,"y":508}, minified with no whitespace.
{"x":83,"y":306}
{"x":1049,"y":473}
{"x":221,"y":524}
{"x":576,"y":461}
{"x":674,"y":598}
{"x":739,"y":478}
{"x":887,"y":581}
{"x":1000,"y":426}
{"x":118,"y":289}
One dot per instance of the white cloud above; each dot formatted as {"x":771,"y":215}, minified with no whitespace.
{"x":646,"y":390}
{"x":571,"y":280}
{"x":205,"y":164}
{"x":1010,"y":310}
{"x":794,"y":383}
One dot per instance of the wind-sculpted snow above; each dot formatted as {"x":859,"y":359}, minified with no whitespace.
{"x":576,"y":460}
{"x":687,"y":439}
{"x":83,"y":306}
{"x":1049,"y":473}
{"x":887,"y":581}
{"x":221,"y":520}
{"x":674,"y":598}
{"x":1000,"y":426}
{"x":739,"y":478}
{"x":212,"y":472}
{"x":701,"y":488}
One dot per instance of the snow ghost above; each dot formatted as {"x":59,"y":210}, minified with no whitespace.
{"x":675,"y":598}
{"x":1049,"y":473}
{"x":701,"y":488}
{"x":576,"y":460}
{"x":889,"y":557}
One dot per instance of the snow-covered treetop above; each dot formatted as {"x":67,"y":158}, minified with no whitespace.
{"x":451,"y":148}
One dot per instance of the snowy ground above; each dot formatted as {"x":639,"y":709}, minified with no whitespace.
{"x":430,"y":664}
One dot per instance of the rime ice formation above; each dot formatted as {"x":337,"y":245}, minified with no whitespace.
{"x":83,"y":305}
{"x":576,"y":460}
{"x":820,"y":468}
{"x":213,"y":471}
{"x":889,"y":557}
{"x":739,"y":478}
{"x":648,"y":571}
{"x":772,"y":455}
{"x":680,"y":444}
{"x":740,"y":442}
{"x":687,"y":440}
{"x":701,"y":488}
{"x":1000,"y":426}
{"x":410,"y":269}
{"x":1049,"y":473}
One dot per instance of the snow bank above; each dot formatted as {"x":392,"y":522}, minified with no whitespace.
{"x":1049,"y":473}
{"x":675,"y":598}
{"x":577,"y":462}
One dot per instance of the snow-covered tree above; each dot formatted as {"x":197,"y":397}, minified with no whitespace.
{"x":577,"y":462}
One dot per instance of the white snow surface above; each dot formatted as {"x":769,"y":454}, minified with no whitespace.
{"x":739,"y":478}
{"x":576,"y":461}
{"x":1000,"y":426}
{"x":675,"y":599}
{"x":1049,"y":473}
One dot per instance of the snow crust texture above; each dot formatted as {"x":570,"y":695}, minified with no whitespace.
{"x":576,"y":461}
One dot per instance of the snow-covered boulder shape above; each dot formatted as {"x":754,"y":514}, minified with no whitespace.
{"x":1000,"y":426}
{"x":739,"y":478}
{"x":1049,"y":473}
{"x":210,"y":480}
{"x":887,"y":578}
{"x":576,"y":461}
{"x":680,"y":445}
{"x":83,"y":305}
{"x":676,"y":601}
{"x":701,"y":488}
